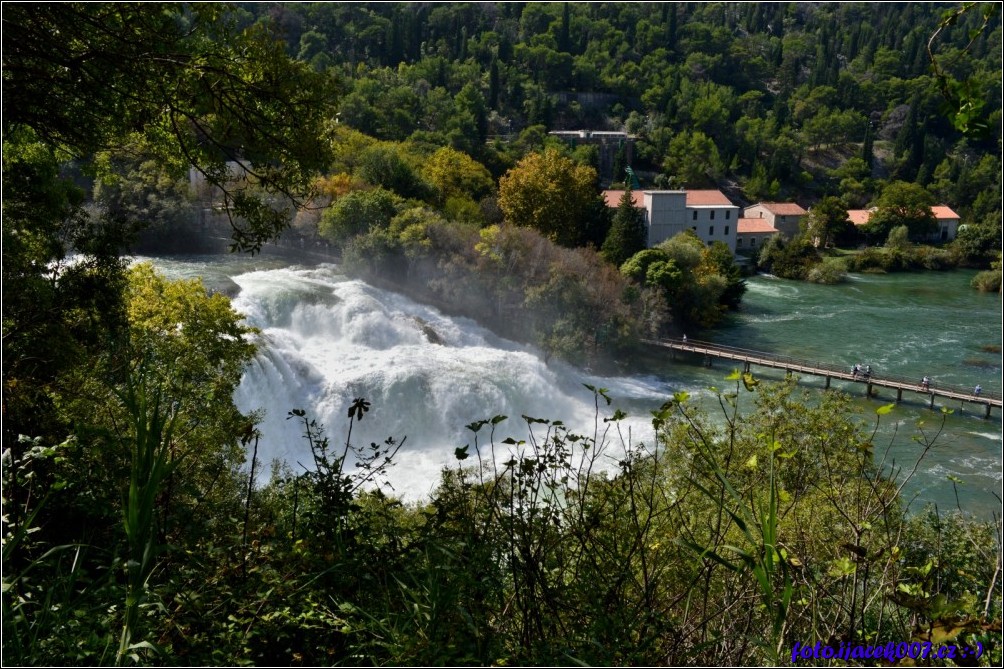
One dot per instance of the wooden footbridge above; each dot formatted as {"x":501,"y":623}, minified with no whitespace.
{"x":899,"y":384}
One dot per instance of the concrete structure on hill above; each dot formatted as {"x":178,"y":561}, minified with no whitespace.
{"x":709,"y":213}
{"x":609,"y":144}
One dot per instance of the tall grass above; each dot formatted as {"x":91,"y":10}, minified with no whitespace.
{"x":152,"y":420}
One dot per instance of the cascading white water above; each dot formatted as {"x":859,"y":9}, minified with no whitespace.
{"x":328,"y":340}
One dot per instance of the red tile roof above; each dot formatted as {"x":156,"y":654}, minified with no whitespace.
{"x":859,"y":216}
{"x":695,"y":198}
{"x":783,"y":208}
{"x":941,"y":212}
{"x":750,"y":225}
{"x":613,"y":197}
{"x":707,"y":198}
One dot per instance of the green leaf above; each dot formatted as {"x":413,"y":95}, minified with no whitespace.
{"x":618,"y":415}
{"x":708,"y":553}
{"x":883,"y":410}
{"x":842,"y":567}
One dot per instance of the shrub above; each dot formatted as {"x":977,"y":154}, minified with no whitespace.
{"x":828,"y":272}
{"x":988,"y":281}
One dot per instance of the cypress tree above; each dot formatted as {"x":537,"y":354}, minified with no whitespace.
{"x":628,"y":234}
{"x":867,"y":151}
{"x":671,"y":29}
{"x":563,"y":34}
{"x":493,"y":84}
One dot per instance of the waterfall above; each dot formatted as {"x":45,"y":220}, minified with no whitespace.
{"x":327,"y":340}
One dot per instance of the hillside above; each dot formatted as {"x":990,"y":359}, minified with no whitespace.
{"x":714,"y":93}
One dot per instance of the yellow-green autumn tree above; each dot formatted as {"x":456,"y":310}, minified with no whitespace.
{"x":453,"y":173}
{"x":552,"y":194}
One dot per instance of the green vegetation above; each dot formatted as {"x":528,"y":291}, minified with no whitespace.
{"x":551,"y":194}
{"x":628,"y":234}
{"x":780,"y":515}
{"x":902,"y":204}
{"x":134,"y":527}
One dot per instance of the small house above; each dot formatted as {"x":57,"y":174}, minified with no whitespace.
{"x":784,"y":217}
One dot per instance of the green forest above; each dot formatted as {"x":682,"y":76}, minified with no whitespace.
{"x":413,"y":141}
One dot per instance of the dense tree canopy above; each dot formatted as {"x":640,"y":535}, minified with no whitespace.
{"x":81,"y":76}
{"x":828,"y":221}
{"x":550,"y":193}
{"x":903,"y":203}
{"x":103,"y":84}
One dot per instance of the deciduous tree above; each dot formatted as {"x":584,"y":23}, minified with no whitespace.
{"x":550,"y":193}
{"x":903,"y":203}
{"x":828,"y":220}
{"x":452,"y":173}
{"x":357,"y":213}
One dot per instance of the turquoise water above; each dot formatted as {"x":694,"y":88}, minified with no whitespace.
{"x":909,"y":325}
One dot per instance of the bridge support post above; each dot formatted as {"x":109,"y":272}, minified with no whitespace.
{"x":932,"y":400}
{"x":747,"y":367}
{"x":827,"y":383}
{"x":987,"y":414}
{"x":899,"y":395}
{"x":869,"y":393}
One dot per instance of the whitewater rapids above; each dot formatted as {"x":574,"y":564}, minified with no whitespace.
{"x":327,"y":340}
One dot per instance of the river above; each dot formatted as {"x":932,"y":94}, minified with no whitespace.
{"x":330,"y":339}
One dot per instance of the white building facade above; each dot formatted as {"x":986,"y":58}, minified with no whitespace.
{"x":708,"y":213}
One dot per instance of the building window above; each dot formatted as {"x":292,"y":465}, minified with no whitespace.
{"x":726,"y":233}
{"x":752,"y":241}
{"x":727,"y":212}
{"x":711,"y":231}
{"x":712,"y":214}
{"x":739,"y":242}
{"x":694,"y":228}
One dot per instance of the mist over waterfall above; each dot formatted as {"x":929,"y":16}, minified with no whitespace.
{"x":328,"y":339}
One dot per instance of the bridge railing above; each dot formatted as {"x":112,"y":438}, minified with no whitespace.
{"x":750,"y":355}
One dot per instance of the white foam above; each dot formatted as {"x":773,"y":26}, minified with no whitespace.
{"x":330,"y":340}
